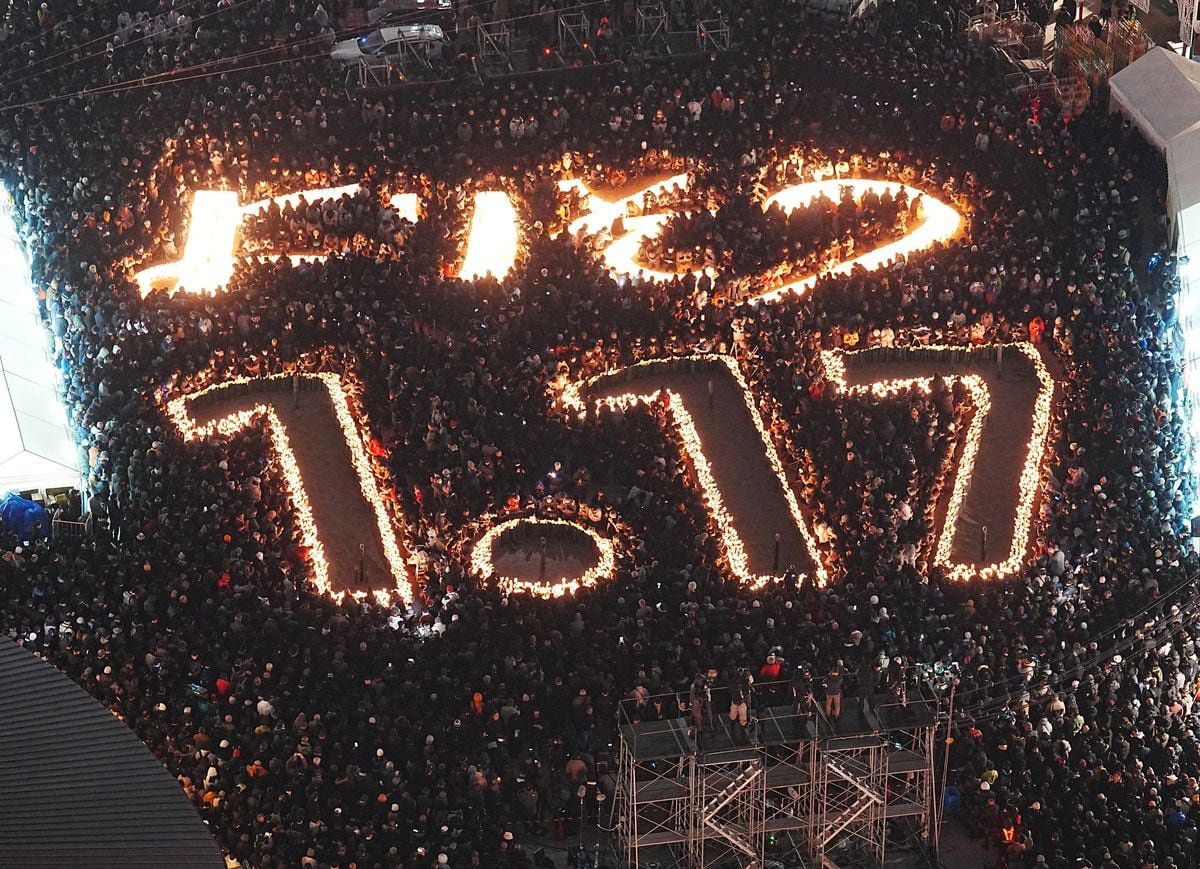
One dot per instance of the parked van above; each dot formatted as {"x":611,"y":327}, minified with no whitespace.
{"x":388,"y":44}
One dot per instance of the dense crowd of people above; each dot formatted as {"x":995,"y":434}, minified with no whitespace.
{"x":319,"y":734}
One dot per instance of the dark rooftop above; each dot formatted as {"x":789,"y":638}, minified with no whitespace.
{"x":77,"y":787}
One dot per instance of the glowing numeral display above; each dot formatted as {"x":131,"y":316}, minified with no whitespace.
{"x":492,"y":247}
{"x":483,"y":561}
{"x":984,"y":430}
{"x":574,"y":396}
{"x":333,"y":554}
{"x":939,"y":223}
{"x":206,"y":266}
{"x":492,"y":240}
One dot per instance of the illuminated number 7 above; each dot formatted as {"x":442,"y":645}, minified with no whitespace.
{"x":1005,"y":444}
{"x":735,"y":462}
{"x":332,"y":513}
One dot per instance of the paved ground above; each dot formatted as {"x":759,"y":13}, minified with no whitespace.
{"x":1161,"y":21}
{"x":522,"y":560}
{"x":752,"y":493}
{"x":343,"y":517}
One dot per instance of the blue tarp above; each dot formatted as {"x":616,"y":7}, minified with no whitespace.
{"x":27,"y":519}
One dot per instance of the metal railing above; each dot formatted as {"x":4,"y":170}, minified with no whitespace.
{"x":69,"y":529}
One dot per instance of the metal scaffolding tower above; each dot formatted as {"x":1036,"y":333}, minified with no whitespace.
{"x":652,"y":28}
{"x":371,"y":72}
{"x":574,"y":38}
{"x":574,"y":32}
{"x":850,"y":798}
{"x":727,"y":809}
{"x":712,"y":34}
{"x":493,"y":45}
{"x":803,"y":792}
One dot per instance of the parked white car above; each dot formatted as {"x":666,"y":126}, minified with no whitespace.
{"x":387,"y":44}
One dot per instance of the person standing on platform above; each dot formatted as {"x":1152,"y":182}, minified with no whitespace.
{"x":803,"y":702}
{"x":739,"y":705}
{"x":833,"y":692}
{"x":699,"y":711}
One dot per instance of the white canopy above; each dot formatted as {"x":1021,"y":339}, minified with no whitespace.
{"x":36,"y":450}
{"x":1160,"y":93}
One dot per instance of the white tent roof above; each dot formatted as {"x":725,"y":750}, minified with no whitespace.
{"x":1160,"y":93}
{"x":36,"y":450}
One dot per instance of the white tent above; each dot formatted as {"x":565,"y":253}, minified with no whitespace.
{"x":1160,"y":93}
{"x":36,"y":450}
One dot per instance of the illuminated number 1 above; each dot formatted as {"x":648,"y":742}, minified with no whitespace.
{"x":346,"y":526}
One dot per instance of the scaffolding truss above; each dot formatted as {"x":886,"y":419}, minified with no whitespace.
{"x":370,"y":73}
{"x":573,"y":30}
{"x":403,"y":61}
{"x":652,"y":28}
{"x":712,"y":35}
{"x":851,"y":796}
{"x":574,"y":36}
{"x":800,"y":790}
{"x":416,"y":57}
{"x":493,"y":45}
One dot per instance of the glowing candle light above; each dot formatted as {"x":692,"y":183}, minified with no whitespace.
{"x":602,"y":212}
{"x":1031,"y":474}
{"x":406,"y":206}
{"x":940,"y":222}
{"x":571,"y":397}
{"x":492,"y":241}
{"x":483,"y":561}
{"x":206,"y":266}
{"x":177,"y":410}
{"x":207,"y":262}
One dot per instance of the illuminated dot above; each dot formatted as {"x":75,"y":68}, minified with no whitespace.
{"x":483,"y":561}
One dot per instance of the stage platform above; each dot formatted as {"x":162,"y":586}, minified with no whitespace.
{"x":775,"y":726}
{"x":823,"y":785}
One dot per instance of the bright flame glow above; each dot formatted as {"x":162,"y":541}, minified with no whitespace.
{"x":571,"y":397}
{"x":206,"y":266}
{"x":940,"y":222}
{"x":602,"y":212}
{"x":406,"y":206}
{"x":483,"y":565}
{"x":178,"y":411}
{"x":285,"y":458}
{"x":207,"y":262}
{"x":492,"y":240}
{"x":1031,"y":473}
